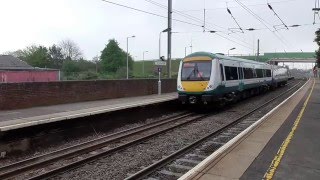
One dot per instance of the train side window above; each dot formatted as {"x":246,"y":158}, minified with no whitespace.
{"x":268,"y":72}
{"x":231,"y":73}
{"x":259,"y":73}
{"x":221,"y":71}
{"x":248,"y":73}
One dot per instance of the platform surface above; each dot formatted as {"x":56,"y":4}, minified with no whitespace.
{"x":301,"y":158}
{"x":14,"y":119}
{"x":252,"y":157}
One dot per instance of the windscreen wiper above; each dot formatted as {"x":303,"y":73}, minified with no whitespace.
{"x":192,"y":72}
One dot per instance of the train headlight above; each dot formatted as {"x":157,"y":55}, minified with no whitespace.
{"x":180,"y":88}
{"x":209,"y":87}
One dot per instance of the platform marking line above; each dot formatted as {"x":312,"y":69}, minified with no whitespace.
{"x":277,"y":159}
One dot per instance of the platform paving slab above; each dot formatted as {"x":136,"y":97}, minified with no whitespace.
{"x":20,"y":118}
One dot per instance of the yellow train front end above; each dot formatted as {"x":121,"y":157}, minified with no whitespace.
{"x":194,"y":77}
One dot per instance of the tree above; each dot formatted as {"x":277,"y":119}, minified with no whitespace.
{"x":56,"y":56}
{"x":36,"y":56}
{"x":113,"y":58}
{"x":96,"y":60}
{"x":70,"y":50}
{"x":317,"y":40}
{"x":69,"y":67}
{"x":21,"y":54}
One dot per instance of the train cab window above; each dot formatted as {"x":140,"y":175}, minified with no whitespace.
{"x":248,"y":73}
{"x":259,"y":73}
{"x":268,"y":73}
{"x":231,"y":73}
{"x":221,"y":72}
{"x":196,"y":71}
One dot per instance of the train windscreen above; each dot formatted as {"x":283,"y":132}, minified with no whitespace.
{"x":196,"y":71}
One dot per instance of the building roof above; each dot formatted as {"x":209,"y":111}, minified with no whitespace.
{"x":8,"y":62}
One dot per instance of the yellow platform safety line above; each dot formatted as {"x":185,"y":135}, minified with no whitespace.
{"x":277,"y":159}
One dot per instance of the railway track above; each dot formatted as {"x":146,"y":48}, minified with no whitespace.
{"x":64,"y":159}
{"x":181,"y":161}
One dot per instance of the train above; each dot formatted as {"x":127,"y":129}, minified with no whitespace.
{"x":206,"y":78}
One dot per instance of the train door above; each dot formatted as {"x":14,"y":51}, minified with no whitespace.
{"x":222,"y":73}
{"x":241,"y":76}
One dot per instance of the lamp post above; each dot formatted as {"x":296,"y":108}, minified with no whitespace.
{"x":160,"y":44}
{"x":231,"y":50}
{"x":143,"y":62}
{"x":128,"y":55}
{"x":166,"y":30}
{"x":185,"y":51}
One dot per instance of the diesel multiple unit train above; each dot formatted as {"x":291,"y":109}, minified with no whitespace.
{"x":207,"y":78}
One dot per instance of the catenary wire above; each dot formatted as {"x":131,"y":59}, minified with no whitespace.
{"x":154,"y":14}
{"x":132,"y":8}
{"x":262,"y":21}
{"x":199,"y":20}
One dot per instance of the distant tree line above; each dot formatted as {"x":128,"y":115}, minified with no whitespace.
{"x":49,"y":57}
{"x":68,"y":57}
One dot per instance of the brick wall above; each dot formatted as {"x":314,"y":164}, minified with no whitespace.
{"x":24,"y":95}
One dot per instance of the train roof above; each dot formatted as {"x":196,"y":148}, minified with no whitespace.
{"x":220,"y":56}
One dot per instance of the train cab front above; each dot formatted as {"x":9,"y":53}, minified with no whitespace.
{"x":194,"y":79}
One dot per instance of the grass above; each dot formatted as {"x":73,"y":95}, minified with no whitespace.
{"x":151,"y":70}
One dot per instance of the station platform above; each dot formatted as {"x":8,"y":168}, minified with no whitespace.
{"x":15,"y":119}
{"x":284,"y":144}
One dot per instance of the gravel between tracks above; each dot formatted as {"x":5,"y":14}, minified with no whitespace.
{"x":71,"y":142}
{"x":120,"y":165}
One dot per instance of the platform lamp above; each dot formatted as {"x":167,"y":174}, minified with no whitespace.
{"x":231,"y":50}
{"x":128,"y":55}
{"x":143,"y":62}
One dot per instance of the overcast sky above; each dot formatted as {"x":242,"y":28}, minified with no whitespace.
{"x":91,"y":23}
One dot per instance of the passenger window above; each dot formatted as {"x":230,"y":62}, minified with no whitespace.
{"x":268,"y":72}
{"x":248,"y":73}
{"x":259,"y":73}
{"x":231,"y":73}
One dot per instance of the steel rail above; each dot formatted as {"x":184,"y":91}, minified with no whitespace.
{"x":152,"y":168}
{"x":25,"y":165}
{"x":77,"y":163}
